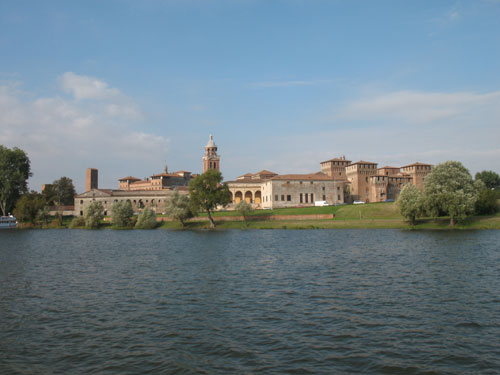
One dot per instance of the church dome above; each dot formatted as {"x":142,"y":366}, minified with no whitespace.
{"x":211,"y":142}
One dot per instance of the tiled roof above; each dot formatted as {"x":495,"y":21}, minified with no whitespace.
{"x":387,"y":167}
{"x":129,"y":178}
{"x":363,"y":162}
{"x":415,"y":164}
{"x":265,"y":171}
{"x":336,"y":159}
{"x":309,"y":177}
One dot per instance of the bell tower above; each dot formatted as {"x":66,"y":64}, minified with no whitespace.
{"x":211,"y":160}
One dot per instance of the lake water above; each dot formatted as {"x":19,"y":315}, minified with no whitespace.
{"x":249,"y":302}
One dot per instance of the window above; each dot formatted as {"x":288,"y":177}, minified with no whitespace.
{"x":288,"y":182}
{"x":300,"y":197}
{"x":324,"y":197}
{"x":300,"y":182}
{"x":81,"y":201}
{"x":307,"y":197}
{"x":282,"y":197}
{"x":338,"y":188}
{"x":311,"y":182}
{"x":312,"y":197}
{"x":338,"y":197}
{"x":366,"y":179}
{"x":323,"y":188}
{"x":81,"y":213}
{"x":105,"y":213}
{"x":276,"y":197}
{"x":289,"y":198}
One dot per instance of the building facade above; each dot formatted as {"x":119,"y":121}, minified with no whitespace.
{"x":211,"y":160}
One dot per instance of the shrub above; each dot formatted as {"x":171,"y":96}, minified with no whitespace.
{"x":486,"y":203}
{"x":244,"y":208}
{"x":179,"y":208}
{"x":94,"y":213}
{"x":121,"y":212}
{"x":146,"y":219}
{"x":77,"y":222}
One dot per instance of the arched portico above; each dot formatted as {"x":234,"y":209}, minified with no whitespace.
{"x":258,"y":197}
{"x":249,"y":197}
{"x":238,"y":197}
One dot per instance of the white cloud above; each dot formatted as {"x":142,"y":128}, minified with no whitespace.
{"x":395,"y":128}
{"x":65,"y":136}
{"x":84,"y":87}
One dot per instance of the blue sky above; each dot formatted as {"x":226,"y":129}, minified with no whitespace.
{"x":127,"y":86}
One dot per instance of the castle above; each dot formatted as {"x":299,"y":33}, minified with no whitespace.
{"x":339,"y":181}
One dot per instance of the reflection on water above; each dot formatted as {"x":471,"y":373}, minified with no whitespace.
{"x":254,"y":302}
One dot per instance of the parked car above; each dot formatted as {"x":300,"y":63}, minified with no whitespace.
{"x":358,"y":202}
{"x":321,"y":203}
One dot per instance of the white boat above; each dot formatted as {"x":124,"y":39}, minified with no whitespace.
{"x":7,"y":222}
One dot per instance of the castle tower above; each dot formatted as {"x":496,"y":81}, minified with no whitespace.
{"x":211,"y":160}
{"x":91,"y":179}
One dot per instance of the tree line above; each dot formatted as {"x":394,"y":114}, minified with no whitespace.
{"x":450,"y":190}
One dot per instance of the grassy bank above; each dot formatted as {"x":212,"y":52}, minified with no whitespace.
{"x":369,"y":216}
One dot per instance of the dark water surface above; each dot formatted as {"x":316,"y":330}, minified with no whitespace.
{"x":249,"y":302}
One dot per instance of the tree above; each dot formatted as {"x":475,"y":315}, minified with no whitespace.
{"x":14,"y":173}
{"x":244,"y":208}
{"x":449,"y":189}
{"x":179,"y":208}
{"x":94,"y":213}
{"x":490,"y":179}
{"x":64,"y":191}
{"x":487,"y":202}
{"x":146,"y":219}
{"x":410,"y":203}
{"x":207,"y":192}
{"x":43,"y":214}
{"x":27,"y":207}
{"x":121,"y":212}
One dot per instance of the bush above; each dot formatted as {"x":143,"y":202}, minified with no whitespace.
{"x":121,"y":213}
{"x":77,"y":222}
{"x":146,"y":219}
{"x":179,"y":208}
{"x":487,"y":203}
{"x":244,"y":208}
{"x":94,"y":213}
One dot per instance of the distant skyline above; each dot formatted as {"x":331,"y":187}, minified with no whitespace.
{"x":129,"y":86}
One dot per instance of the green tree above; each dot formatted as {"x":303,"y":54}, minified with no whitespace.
{"x":77,"y":222}
{"x":94,"y":213}
{"x":49,"y":195}
{"x":207,"y":191}
{"x":27,"y":207}
{"x":14,"y":173}
{"x":64,"y":191}
{"x":244,"y":208}
{"x":490,"y":179}
{"x":449,"y":189}
{"x":121,"y":213}
{"x":410,"y":203}
{"x":179,"y":208}
{"x":487,"y":202}
{"x":43,"y":214}
{"x":146,"y":219}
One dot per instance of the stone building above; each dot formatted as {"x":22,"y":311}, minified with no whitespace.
{"x":359,"y":174}
{"x":417,"y":171}
{"x":160,"y":181}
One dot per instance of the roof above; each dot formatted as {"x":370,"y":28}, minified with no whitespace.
{"x":308,"y":177}
{"x":387,"y":167}
{"x":265,"y":171}
{"x":129,"y":178}
{"x":415,"y":164}
{"x":336,"y":159}
{"x":176,"y":172}
{"x":363,"y":162}
{"x":247,"y":181}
